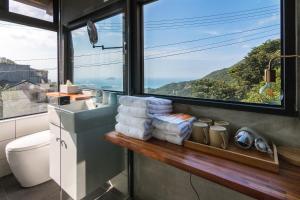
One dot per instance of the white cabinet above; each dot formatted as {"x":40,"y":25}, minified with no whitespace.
{"x":83,"y":161}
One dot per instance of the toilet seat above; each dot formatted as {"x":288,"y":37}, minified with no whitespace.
{"x":29,"y":142}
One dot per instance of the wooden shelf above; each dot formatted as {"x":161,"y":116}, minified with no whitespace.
{"x":73,"y":97}
{"x":251,"y":181}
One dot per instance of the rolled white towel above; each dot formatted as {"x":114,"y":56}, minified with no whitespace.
{"x":141,"y":123}
{"x":141,"y":112}
{"x":173,"y":123}
{"x":143,"y":101}
{"x":133,"y":132}
{"x":158,"y":134}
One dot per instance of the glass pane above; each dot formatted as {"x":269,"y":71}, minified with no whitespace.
{"x":96,"y":68}
{"x":28,"y":69}
{"x":212,"y":49}
{"x":37,"y":9}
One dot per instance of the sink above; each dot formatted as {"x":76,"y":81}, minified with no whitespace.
{"x":80,"y":116}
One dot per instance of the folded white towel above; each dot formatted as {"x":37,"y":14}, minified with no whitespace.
{"x":133,"y":132}
{"x":143,"y":101}
{"x":141,"y":112}
{"x":170,"y":138}
{"x":140,"y":123}
{"x":174,"y":123}
{"x":185,"y":131}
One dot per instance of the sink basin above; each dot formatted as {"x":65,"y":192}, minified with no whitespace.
{"x":81,"y":116}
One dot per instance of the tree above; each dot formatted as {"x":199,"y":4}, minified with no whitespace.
{"x":4,"y":60}
{"x":213,"y":89}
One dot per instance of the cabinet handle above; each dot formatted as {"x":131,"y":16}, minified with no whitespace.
{"x":63,"y":143}
{"x":57,"y":139}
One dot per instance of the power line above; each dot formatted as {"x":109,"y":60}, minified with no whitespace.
{"x":197,"y":24}
{"x":78,"y":56}
{"x":225,"y":13}
{"x":198,"y":50}
{"x":199,"y":39}
{"x":155,"y":46}
{"x":179,"y":50}
{"x":213,"y":18}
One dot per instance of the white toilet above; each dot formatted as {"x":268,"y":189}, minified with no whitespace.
{"x":28,"y":158}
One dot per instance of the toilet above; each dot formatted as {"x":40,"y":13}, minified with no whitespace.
{"x":28,"y":158}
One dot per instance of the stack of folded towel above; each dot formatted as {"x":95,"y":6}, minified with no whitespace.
{"x":136,"y":114}
{"x":174,"y":128}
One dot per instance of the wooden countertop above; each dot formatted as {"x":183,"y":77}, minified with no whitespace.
{"x":247,"y":180}
{"x":73,"y":97}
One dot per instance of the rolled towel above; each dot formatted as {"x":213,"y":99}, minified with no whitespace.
{"x":158,"y":134}
{"x":141,"y":112}
{"x":133,"y":132}
{"x":141,"y":123}
{"x":173,"y":123}
{"x":143,"y":101}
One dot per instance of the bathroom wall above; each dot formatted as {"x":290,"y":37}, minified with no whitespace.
{"x":15,"y":128}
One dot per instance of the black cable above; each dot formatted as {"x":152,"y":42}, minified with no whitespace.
{"x":191,"y":22}
{"x":209,"y":44}
{"x":195,"y":25}
{"x":215,"y":47}
{"x":193,"y":187}
{"x":199,"y":39}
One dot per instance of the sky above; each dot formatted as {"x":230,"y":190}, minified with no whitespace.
{"x":95,"y":63}
{"x":177,"y":21}
{"x":24,"y":44}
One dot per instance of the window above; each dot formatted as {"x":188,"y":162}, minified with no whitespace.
{"x":213,"y":50}
{"x":28,"y":69}
{"x":96,"y":68}
{"x":37,"y":9}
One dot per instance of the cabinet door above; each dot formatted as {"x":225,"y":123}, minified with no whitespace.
{"x":69,"y":164}
{"x":55,"y":153}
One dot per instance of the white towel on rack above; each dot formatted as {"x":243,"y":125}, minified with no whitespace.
{"x":141,"y":112}
{"x":143,"y":101}
{"x":141,"y":123}
{"x":133,"y":132}
{"x":173,"y":123}
{"x":158,"y":134}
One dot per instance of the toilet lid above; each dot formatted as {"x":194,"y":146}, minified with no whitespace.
{"x":28,"y":142}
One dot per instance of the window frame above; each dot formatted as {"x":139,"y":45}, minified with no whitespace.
{"x":11,"y":17}
{"x":288,"y":47}
{"x":98,"y":15}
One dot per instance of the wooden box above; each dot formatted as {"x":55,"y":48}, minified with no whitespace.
{"x":249,"y":157}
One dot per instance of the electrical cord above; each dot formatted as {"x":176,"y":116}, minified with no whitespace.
{"x":193,"y":187}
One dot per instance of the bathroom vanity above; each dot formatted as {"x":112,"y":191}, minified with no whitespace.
{"x":80,"y":160}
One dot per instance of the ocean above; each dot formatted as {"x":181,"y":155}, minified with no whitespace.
{"x":117,"y":83}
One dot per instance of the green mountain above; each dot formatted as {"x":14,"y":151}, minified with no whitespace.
{"x":239,"y":82}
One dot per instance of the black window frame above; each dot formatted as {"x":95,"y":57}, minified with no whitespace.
{"x":288,"y":47}
{"x":100,"y":14}
{"x":16,"y":18}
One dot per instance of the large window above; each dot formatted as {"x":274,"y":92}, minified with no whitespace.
{"x":28,"y":69}
{"x":213,"y":50}
{"x":98,"y":68}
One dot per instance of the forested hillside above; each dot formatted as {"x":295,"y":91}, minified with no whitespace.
{"x":239,"y":82}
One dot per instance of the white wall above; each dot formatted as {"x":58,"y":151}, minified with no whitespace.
{"x":12,"y":129}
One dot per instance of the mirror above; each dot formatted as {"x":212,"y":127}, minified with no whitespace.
{"x":92,"y":32}
{"x":93,"y":36}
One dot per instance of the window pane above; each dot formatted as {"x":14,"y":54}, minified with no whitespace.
{"x":96,"y":68}
{"x":28,"y":69}
{"x":37,"y":9}
{"x":212,"y":49}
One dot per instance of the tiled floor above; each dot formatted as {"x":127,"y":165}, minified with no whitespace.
{"x":11,"y":190}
